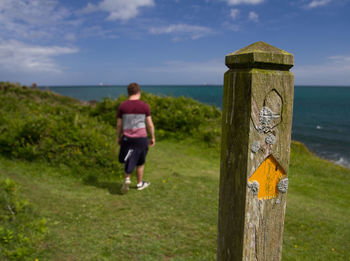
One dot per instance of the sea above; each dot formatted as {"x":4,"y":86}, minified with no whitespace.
{"x":321,"y":117}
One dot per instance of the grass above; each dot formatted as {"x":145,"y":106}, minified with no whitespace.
{"x":317,"y":218}
{"x":71,"y":178}
{"x":93,"y":223}
{"x":176,"y":217}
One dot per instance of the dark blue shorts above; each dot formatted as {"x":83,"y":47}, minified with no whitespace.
{"x":133,"y":152}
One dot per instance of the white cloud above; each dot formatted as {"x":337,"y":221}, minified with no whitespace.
{"x":18,"y":56}
{"x":247,"y":2}
{"x":194,"y":31}
{"x":230,"y":26}
{"x":234,"y":13}
{"x":318,"y":3}
{"x":233,"y":27}
{"x":335,"y":71}
{"x":31,"y":18}
{"x":98,"y":31}
{"x":70,"y":37}
{"x":119,"y":9}
{"x":253,"y":16}
{"x":339,"y":59}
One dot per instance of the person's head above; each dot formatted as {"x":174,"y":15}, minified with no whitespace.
{"x":133,"y":88}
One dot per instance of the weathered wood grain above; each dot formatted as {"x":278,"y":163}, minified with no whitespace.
{"x":256,"y":127}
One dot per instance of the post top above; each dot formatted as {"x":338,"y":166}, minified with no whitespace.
{"x":260,"y":55}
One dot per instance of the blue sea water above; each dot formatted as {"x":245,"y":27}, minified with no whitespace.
{"x":321,"y":117}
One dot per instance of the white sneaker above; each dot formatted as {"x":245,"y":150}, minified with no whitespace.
{"x":143,"y":185}
{"x":125,"y":186}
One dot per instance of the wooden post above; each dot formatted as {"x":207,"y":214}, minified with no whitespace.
{"x":256,"y":136}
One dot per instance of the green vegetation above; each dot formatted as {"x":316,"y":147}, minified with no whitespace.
{"x":37,"y":125}
{"x":176,"y":217}
{"x":317,"y":218}
{"x":20,"y":229}
{"x":175,"y":118}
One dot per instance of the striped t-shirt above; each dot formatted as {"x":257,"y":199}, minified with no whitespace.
{"x":134,"y":113}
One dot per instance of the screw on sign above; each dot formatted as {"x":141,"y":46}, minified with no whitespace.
{"x":256,"y":136}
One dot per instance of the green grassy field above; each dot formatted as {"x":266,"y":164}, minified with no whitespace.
{"x":176,"y":217}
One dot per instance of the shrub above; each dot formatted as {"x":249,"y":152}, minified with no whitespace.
{"x":37,"y":126}
{"x":173,"y":117}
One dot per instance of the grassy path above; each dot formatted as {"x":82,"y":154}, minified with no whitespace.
{"x":166,"y":220}
{"x":176,"y":217}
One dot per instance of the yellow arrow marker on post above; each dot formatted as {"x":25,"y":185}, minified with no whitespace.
{"x":268,"y":175}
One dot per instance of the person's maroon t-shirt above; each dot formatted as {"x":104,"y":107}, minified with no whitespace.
{"x":134,"y":113}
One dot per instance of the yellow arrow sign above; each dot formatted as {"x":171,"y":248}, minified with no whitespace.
{"x":268,"y":175}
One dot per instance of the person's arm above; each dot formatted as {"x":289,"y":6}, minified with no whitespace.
{"x":150,"y":128}
{"x":119,"y":129}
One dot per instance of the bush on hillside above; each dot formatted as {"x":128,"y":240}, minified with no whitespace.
{"x":21,"y":231}
{"x":173,"y":117}
{"x":48,"y":97}
{"x":48,"y":127}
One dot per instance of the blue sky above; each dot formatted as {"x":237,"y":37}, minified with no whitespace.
{"x":65,"y":42}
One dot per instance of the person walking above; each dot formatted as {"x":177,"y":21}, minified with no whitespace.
{"x":133,"y":117}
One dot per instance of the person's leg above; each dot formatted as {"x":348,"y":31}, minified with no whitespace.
{"x":127,"y":178}
{"x":128,"y":168}
{"x":124,"y":154}
{"x":139,"y":171}
{"x":126,"y":183}
{"x":130,"y":164}
{"x":142,"y":150}
{"x":140,"y":183}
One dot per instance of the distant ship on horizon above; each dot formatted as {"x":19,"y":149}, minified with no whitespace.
{"x":102,"y":84}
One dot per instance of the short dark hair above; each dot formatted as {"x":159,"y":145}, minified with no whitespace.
{"x":133,"y":88}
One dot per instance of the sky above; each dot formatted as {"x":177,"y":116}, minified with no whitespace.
{"x":64,"y":42}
